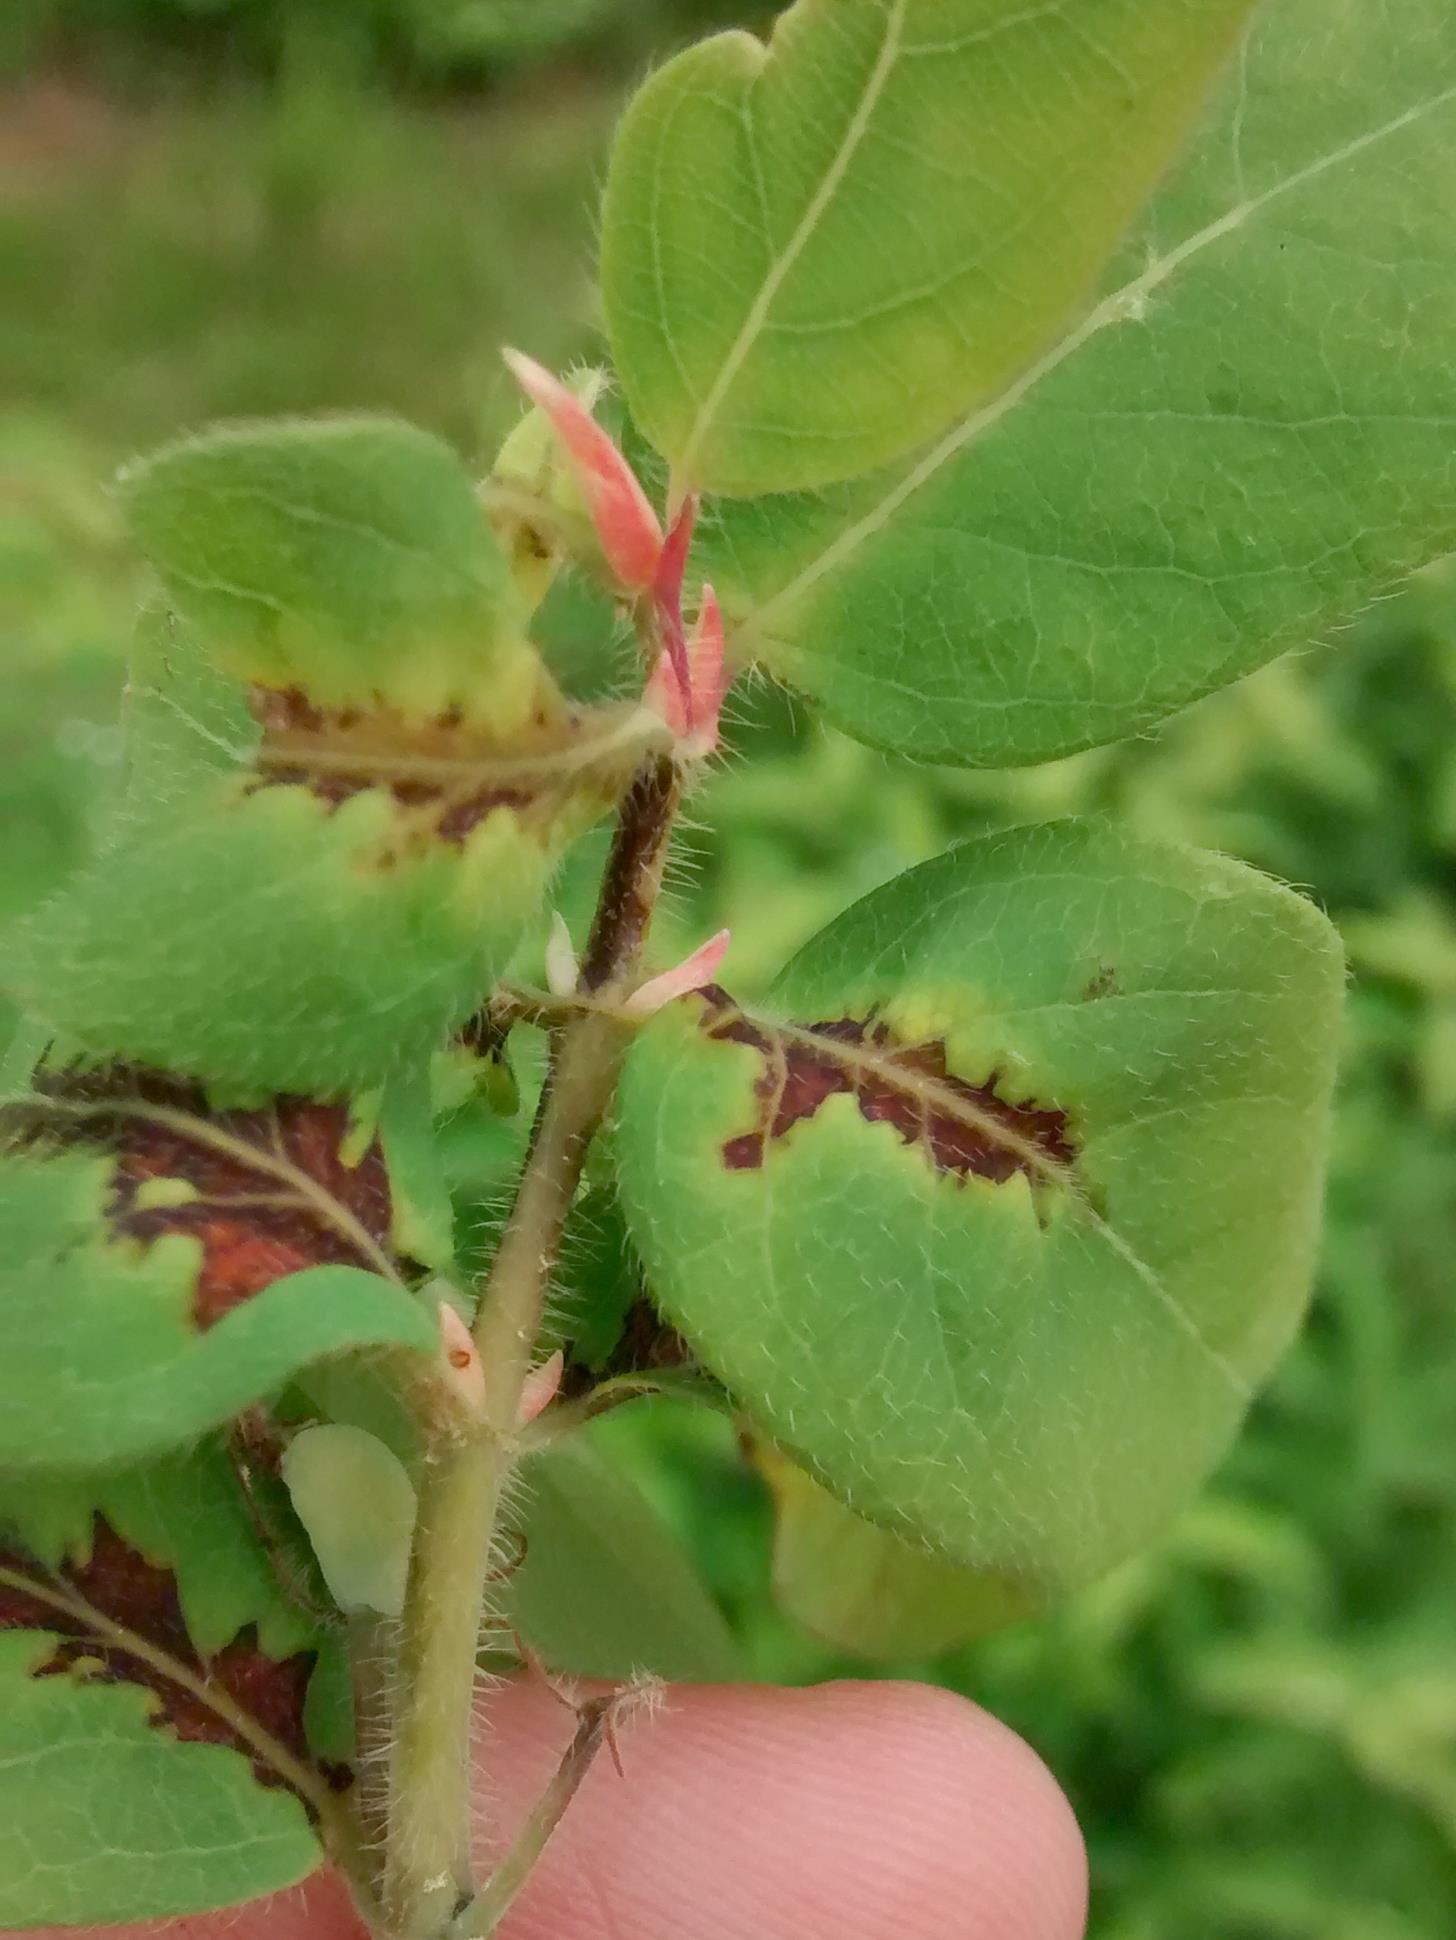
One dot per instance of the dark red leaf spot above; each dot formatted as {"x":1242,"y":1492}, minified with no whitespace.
{"x":139,"y":1597}
{"x":254,"y":1229}
{"x":956,"y":1124}
{"x":345,"y":752}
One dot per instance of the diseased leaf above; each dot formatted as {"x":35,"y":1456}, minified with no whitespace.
{"x":862,"y":1589}
{"x":298,"y":900}
{"x":603,"y":1589}
{"x":1003,"y":1205}
{"x":153,"y":1687}
{"x":140,"y":1308}
{"x":1245,"y":441}
{"x":816,"y":252}
{"x":264,"y":1192}
{"x":348,"y":559}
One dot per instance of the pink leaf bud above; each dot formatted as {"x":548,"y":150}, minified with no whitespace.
{"x":463,"y":1367}
{"x":539,"y":1389}
{"x":667,"y":592}
{"x":690,"y":975}
{"x":628,"y":528}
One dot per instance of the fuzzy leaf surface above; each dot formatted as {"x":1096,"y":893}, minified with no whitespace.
{"x":1004,"y":1204}
{"x":1244,"y":441}
{"x":106,"y":1356}
{"x":153,"y":1752}
{"x":348,"y":558}
{"x":302,"y":900}
{"x":819,"y":250}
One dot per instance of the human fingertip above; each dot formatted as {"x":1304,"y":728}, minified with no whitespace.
{"x":1006,"y":1841}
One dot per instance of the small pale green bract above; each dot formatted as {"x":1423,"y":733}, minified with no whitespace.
{"x":356,"y":1500}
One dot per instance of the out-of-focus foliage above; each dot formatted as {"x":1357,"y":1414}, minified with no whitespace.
{"x":429,"y":42}
{"x":1258,"y":1723}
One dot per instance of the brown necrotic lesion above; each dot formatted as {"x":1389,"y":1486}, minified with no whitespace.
{"x":116,"y":1617}
{"x":447,"y":775}
{"x":963,"y":1129}
{"x":266,"y":1191}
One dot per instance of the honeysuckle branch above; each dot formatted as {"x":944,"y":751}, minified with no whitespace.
{"x":428,"y":1874}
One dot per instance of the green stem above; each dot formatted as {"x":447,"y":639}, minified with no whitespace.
{"x":428,"y":1875}
{"x":371,"y":1663}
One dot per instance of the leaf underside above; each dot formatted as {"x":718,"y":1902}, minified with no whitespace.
{"x":145,"y":1300}
{"x":1244,"y":441}
{"x":816,"y":252}
{"x":294,"y":899}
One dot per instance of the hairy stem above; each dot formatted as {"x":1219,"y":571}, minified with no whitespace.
{"x":371,"y":1664}
{"x":429,"y":1877}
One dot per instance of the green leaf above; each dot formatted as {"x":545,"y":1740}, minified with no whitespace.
{"x":346,"y":558}
{"x":305,"y":903}
{"x":1245,"y":441}
{"x":103,"y":1818}
{"x":104,"y":1358}
{"x":263,"y":941}
{"x":863,"y":1590}
{"x":423,"y":1222}
{"x":817,"y":252}
{"x":186,"y":725}
{"x":153,"y":1687}
{"x":603,"y":1588}
{"x":1004,"y":1205}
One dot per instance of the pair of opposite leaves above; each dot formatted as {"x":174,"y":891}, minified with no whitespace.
{"x":1246,"y":438}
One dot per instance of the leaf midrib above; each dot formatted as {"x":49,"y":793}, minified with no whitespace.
{"x":1121,"y":305}
{"x":931,"y":1092}
{"x":782,"y":266}
{"x":116,"y":1636}
{"x":273,"y":1165}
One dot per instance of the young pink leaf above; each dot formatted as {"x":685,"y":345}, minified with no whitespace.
{"x":690,"y":975}
{"x":628,"y":528}
{"x":667,"y":592}
{"x":539,"y":1389}
{"x":693,"y":714}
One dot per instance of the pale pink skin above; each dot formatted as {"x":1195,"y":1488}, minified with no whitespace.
{"x":871,"y":1811}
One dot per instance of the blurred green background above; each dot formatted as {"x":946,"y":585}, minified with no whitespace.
{"x":228,"y":206}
